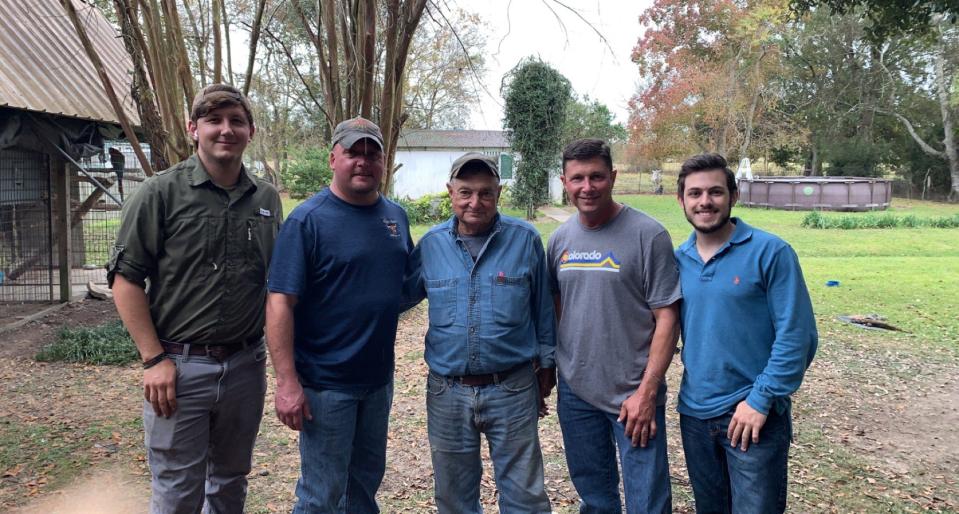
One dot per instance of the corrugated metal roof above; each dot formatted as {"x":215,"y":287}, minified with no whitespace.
{"x":44,"y":68}
{"x":456,"y":139}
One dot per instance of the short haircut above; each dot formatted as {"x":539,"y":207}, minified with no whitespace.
{"x":216,"y":96}
{"x":586,"y":149}
{"x":705,"y":162}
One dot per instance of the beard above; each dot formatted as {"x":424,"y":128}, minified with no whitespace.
{"x":709,"y":228}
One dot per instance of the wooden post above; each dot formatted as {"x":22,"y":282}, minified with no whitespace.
{"x":61,"y":176}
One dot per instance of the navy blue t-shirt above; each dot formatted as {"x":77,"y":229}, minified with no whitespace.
{"x":345,"y":264}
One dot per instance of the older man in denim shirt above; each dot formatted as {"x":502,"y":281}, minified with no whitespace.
{"x":489,"y":346}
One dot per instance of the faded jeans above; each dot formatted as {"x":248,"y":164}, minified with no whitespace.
{"x":343,"y":450}
{"x":591,"y":437}
{"x":507,"y":412}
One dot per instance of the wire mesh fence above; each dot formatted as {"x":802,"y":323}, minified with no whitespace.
{"x":29,"y":232}
{"x":96,"y":214}
{"x":26,"y":257}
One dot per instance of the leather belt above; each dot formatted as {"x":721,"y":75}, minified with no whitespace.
{"x":220,"y":352}
{"x":487,"y":378}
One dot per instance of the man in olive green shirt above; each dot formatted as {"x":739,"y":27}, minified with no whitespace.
{"x":188,"y":273}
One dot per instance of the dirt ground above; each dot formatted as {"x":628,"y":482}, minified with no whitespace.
{"x":875,"y":430}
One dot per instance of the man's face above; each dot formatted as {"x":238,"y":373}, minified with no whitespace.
{"x":474,"y":200}
{"x":222,"y":135}
{"x":589,"y":185}
{"x":706,"y":200}
{"x":357,"y":170}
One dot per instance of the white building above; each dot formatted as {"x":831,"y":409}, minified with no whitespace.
{"x":425,"y":156}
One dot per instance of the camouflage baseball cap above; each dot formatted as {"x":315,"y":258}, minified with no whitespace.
{"x":348,"y":132}
{"x":483,"y":160}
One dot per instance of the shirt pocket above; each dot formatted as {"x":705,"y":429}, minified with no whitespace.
{"x":190,"y":247}
{"x":441,"y":295}
{"x":510,"y":300}
{"x":260,"y":235}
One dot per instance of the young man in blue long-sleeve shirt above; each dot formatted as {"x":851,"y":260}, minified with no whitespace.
{"x":748,"y":336}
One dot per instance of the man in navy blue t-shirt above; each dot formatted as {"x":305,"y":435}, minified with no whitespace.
{"x":331,"y":315}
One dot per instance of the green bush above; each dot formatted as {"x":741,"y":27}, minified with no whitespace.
{"x":307,"y":172}
{"x":816,"y":219}
{"x":104,"y":344}
{"x":427,"y":210}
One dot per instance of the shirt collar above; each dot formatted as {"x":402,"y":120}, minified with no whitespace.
{"x":453,"y":222}
{"x":199,"y":175}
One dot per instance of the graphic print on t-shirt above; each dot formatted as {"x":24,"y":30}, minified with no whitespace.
{"x":588,"y":260}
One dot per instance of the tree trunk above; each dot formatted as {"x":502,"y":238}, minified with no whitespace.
{"x":142,"y":94}
{"x":226,"y":39}
{"x":200,"y":40}
{"x":107,"y":85}
{"x":254,"y":38}
{"x":943,"y":84}
{"x":217,"y":43}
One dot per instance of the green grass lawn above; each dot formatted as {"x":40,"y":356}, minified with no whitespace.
{"x":908,"y":275}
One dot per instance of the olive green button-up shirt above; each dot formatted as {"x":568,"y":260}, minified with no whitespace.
{"x":201,"y":252}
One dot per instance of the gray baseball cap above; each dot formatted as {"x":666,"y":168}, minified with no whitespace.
{"x":348,"y":132}
{"x":484,"y":160}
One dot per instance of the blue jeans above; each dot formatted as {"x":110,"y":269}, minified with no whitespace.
{"x":590,"y":437}
{"x":508,"y":413}
{"x":727,"y":479}
{"x":343,"y":450}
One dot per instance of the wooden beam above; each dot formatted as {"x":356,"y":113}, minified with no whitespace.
{"x":61,"y":176}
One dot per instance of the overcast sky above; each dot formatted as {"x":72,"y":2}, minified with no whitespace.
{"x":520,"y":28}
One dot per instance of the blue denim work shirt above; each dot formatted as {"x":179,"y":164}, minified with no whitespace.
{"x":489,"y":315}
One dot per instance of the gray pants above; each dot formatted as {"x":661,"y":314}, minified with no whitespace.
{"x":199,"y":457}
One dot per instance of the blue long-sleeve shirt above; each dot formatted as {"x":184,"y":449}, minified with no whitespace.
{"x":489,"y":315}
{"x":748,"y":325}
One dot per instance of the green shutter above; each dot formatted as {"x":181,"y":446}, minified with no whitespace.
{"x":505,"y":166}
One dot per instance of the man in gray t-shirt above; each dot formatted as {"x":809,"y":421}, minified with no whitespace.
{"x":617,"y":293}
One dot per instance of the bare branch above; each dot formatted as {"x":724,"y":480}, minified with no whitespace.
{"x":254,"y":38}
{"x":289,"y":56}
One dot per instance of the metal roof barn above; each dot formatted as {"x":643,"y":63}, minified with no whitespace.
{"x":43,"y":67}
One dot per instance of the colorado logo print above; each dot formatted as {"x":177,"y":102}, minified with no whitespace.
{"x":588,"y":261}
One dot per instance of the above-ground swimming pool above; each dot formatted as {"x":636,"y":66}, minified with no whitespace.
{"x":812,"y":193}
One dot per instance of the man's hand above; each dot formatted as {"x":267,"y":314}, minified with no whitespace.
{"x":159,"y":387}
{"x":547,"y":381}
{"x":639,"y":413}
{"x":291,"y":404}
{"x":745,"y":426}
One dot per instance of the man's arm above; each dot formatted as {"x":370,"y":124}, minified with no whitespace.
{"x":639,"y":410}
{"x":291,"y":404}
{"x":159,"y":381}
{"x":544,"y":319}
{"x":792,"y":350}
{"x":414,"y":288}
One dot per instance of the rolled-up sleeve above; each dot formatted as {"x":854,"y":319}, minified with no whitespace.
{"x":139,"y":240}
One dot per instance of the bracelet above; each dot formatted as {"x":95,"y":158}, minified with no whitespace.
{"x":154,"y":361}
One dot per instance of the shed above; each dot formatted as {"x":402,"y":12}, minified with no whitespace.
{"x":56,"y":222}
{"x":425,"y":157}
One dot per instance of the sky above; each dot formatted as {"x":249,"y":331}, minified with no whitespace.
{"x":521,"y":28}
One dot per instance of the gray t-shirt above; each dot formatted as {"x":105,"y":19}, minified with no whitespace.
{"x":609,"y":280}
